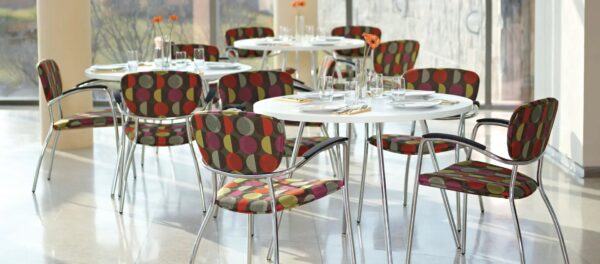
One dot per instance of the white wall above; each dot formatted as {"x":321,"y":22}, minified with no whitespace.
{"x":591,"y":132}
{"x":559,"y":70}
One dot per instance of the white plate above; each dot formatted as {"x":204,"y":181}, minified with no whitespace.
{"x":325,"y":108}
{"x":315,"y":95}
{"x":418,"y":93}
{"x":221,"y":65}
{"x":109,"y":67}
{"x":422,"y":104}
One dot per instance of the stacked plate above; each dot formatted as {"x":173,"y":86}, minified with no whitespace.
{"x":109,"y":67}
{"x":222,"y":65}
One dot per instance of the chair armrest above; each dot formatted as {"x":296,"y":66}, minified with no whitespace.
{"x":493,"y":121}
{"x":302,"y":87}
{"x":86,"y":82}
{"x":78,"y":90}
{"x":442,"y":136}
{"x":323,"y":146}
{"x":346,"y":61}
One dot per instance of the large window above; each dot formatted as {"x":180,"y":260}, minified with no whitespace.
{"x":18,"y":39}
{"x":242,"y":13}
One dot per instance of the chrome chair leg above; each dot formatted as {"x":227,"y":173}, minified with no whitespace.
{"x":220,"y":183}
{"x":129,"y":160}
{"x":332,"y":154}
{"x":199,"y":176}
{"x":250,"y":236}
{"x":413,"y":212}
{"x":448,"y":210}
{"x":275,"y":222}
{"x":53,"y":153}
{"x":458,"y":213}
{"x":120,"y":161}
{"x":406,"y":170}
{"x":515,"y":217}
{"x":143,"y":158}
{"x":211,"y":210}
{"x":270,"y":251}
{"x":347,"y":218}
{"x":37,"y":170}
{"x":481,"y":207}
{"x":463,"y":243}
{"x":361,"y":194}
{"x":559,"y":233}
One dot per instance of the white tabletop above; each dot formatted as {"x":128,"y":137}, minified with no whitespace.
{"x":382,"y":111}
{"x":270,"y":44}
{"x":207,"y":74}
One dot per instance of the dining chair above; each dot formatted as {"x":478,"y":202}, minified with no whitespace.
{"x":353,"y":32}
{"x":441,"y":80}
{"x":51,"y":84}
{"x":248,"y":148}
{"x":528,"y":132}
{"x":234,"y":34}
{"x":157,"y":105}
{"x":394,"y":58}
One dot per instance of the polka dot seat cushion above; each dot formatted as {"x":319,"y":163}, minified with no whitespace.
{"x":102,"y":118}
{"x":252,"y":196}
{"x":409,"y":145}
{"x":151,"y":134}
{"x":475,"y":177}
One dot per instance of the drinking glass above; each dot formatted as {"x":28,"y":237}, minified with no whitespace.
{"x":284,"y":32}
{"x":350,"y":92}
{"x":132,"y":60}
{"x":398,"y":88}
{"x":323,"y":32}
{"x":309,"y":32}
{"x":199,"y":58}
{"x":180,"y":57}
{"x":377,"y":85}
{"x":326,"y":91}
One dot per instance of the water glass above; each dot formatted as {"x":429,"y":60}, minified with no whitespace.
{"x":399,"y":88}
{"x":326,"y":89}
{"x":180,"y":57}
{"x":132,"y":60}
{"x":199,"y":58}
{"x":377,"y":85}
{"x":323,"y":32}
{"x":284,"y":32}
{"x":350,"y":92}
{"x":309,"y":32}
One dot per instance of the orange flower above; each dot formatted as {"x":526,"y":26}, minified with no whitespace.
{"x":372,"y":40}
{"x":157,"y":19}
{"x":173,"y":18}
{"x":298,"y":3}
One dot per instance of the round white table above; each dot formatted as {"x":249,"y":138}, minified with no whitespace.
{"x":207,"y":74}
{"x":269,"y":44}
{"x":381,"y":112}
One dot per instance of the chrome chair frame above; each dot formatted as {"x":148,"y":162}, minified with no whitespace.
{"x":274,"y":214}
{"x":81,"y":87}
{"x":473,"y":145}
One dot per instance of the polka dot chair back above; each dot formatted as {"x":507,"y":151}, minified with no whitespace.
{"x":447,"y":81}
{"x":239,"y":142}
{"x":394,"y":58}
{"x":529,"y":129}
{"x":161,"y":93}
{"x":234,"y":34}
{"x":49,"y":76}
{"x":211,"y":53}
{"x":354,"y":32}
{"x":247,"y":88}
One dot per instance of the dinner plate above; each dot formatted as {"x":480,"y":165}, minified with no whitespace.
{"x":417,"y":104}
{"x":109,"y":67}
{"x":418,"y":93}
{"x":325,"y":108}
{"x":315,"y":95}
{"x":221,"y":65}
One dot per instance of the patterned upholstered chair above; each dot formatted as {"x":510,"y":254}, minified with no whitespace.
{"x":448,"y":81}
{"x":51,"y":82}
{"x":528,"y":132}
{"x":242,"y":90}
{"x":354,"y":32}
{"x":249,"y":147}
{"x":394,"y":58}
{"x":157,"y":105}
{"x":234,"y":34}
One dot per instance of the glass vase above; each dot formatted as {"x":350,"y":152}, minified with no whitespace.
{"x":299,"y":33}
{"x":361,"y":76}
{"x":167,"y":49}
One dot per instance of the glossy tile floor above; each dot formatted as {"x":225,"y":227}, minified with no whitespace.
{"x":72,"y":218}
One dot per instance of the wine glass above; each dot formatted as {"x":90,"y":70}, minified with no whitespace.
{"x":398,"y":88}
{"x":199,"y":58}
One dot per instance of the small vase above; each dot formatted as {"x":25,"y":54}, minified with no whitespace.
{"x":362,"y":81}
{"x":299,"y":33}
{"x":167,"y":49}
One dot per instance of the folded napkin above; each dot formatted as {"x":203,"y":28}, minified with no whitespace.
{"x":294,"y":99}
{"x":354,"y":111}
{"x":108,"y":71}
{"x":448,"y":102}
